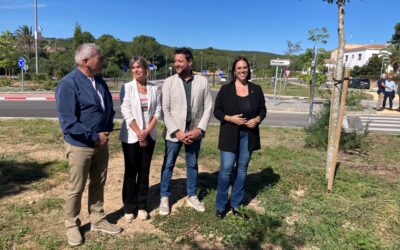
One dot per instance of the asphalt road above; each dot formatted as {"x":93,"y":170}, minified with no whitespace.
{"x":47,"y":109}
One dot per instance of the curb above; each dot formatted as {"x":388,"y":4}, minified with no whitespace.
{"x":20,"y":98}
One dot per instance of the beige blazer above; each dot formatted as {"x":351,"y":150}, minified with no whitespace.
{"x":131,"y":109}
{"x":174,"y":105}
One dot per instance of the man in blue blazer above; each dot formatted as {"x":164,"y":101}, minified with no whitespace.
{"x":85,"y":112}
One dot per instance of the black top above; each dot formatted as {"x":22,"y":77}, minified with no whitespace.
{"x":380,"y":84}
{"x":228,"y":102}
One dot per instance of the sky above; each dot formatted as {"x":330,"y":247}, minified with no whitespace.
{"x":249,"y":25}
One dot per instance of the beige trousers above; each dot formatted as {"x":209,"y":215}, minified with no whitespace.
{"x":85,"y":162}
{"x":380,"y":100}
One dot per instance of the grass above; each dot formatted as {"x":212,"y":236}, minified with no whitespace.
{"x":286,"y":198}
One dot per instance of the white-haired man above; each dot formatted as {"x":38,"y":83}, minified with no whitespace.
{"x":85,"y":112}
{"x":381,"y":92}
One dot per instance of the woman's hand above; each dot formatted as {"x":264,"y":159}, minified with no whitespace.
{"x":237,"y":119}
{"x":252,"y":123}
{"x":142,"y":134}
{"x":143,"y":143}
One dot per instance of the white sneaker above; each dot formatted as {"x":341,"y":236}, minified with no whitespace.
{"x":194,"y":202}
{"x":142,"y":214}
{"x":164,"y":206}
{"x":129,"y":217}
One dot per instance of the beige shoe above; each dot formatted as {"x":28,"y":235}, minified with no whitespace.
{"x":129,"y":217}
{"x":164,"y":206}
{"x":194,"y":202}
{"x":106,"y":227}
{"x":74,"y":236}
{"x":142,"y":214}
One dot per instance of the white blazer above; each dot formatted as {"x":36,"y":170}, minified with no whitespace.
{"x":131,"y":109}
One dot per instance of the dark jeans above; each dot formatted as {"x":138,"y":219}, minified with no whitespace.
{"x":136,"y":178}
{"x":391,"y":97}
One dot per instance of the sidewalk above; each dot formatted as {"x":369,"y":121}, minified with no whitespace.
{"x":36,"y":96}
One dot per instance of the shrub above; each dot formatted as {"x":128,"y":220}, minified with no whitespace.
{"x":317,"y":134}
{"x":4,"y":82}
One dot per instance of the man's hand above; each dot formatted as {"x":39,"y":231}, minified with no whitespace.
{"x":103,"y":138}
{"x":183,"y":137}
{"x":194,"y":134}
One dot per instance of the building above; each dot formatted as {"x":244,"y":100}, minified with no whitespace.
{"x":355,"y":55}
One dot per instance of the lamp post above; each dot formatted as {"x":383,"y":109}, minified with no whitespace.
{"x":201,"y":63}
{"x":36,"y":40}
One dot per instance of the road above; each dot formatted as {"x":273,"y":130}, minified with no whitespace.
{"x":47,"y":109}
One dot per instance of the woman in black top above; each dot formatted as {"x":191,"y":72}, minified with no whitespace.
{"x":240,"y":106}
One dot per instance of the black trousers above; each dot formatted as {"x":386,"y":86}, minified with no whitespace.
{"x":391,"y":96}
{"x":136,"y":177}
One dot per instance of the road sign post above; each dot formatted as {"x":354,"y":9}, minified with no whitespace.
{"x":278,"y":63}
{"x":21,"y":65}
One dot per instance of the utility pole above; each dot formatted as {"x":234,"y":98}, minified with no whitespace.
{"x":201,"y":63}
{"x":36,"y":40}
{"x":166,"y":65}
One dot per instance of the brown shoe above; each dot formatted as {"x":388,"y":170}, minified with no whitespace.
{"x":74,"y":236}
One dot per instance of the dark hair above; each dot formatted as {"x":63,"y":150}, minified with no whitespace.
{"x":240,"y":58}
{"x":184,"y":51}
{"x":140,"y":60}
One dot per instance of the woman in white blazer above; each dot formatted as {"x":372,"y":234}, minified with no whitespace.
{"x":141,"y":109}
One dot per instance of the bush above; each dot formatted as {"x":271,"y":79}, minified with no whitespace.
{"x":354,"y":99}
{"x":317,"y":134}
{"x":4,"y":82}
{"x":41,"y":77}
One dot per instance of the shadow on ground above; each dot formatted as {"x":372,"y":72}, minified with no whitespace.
{"x":14,"y":174}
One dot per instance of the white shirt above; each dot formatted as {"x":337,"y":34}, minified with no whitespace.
{"x":97,"y":91}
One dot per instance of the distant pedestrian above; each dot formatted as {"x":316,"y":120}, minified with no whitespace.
{"x":381,"y":92}
{"x":85,"y":111}
{"x":240,"y":106}
{"x":389,"y":91}
{"x":187,"y":107}
{"x":141,"y":109}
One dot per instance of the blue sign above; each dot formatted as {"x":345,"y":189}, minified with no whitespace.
{"x":204,"y":72}
{"x":125,"y":68}
{"x":21,"y":62}
{"x":151,"y":66}
{"x":221,"y":73}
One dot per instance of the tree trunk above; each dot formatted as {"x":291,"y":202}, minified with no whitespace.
{"x":333,"y":118}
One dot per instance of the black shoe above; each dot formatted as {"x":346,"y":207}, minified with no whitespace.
{"x":220,"y":214}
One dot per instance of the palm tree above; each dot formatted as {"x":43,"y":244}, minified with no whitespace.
{"x":24,"y":39}
{"x":394,"y":56}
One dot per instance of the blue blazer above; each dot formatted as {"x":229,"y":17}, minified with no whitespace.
{"x":79,"y":109}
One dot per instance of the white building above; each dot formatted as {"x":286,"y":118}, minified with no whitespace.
{"x":355,"y":55}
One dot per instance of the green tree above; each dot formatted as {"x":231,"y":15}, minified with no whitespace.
{"x":77,"y":39}
{"x":24,"y":39}
{"x":396,"y":36}
{"x":8,"y":52}
{"x":370,"y":69}
{"x":87,"y":37}
{"x":149,"y":48}
{"x":113,"y":53}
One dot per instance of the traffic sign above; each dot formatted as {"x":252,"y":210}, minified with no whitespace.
{"x":204,"y":72}
{"x":125,"y":68}
{"x":287,"y":73}
{"x":21,"y":62}
{"x":220,"y":73}
{"x":151,"y":66}
{"x":278,"y":62}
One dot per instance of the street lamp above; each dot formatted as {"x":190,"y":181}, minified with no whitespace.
{"x":36,"y":40}
{"x":201,"y":64}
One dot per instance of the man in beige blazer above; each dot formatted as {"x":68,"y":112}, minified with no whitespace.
{"x":187,"y":107}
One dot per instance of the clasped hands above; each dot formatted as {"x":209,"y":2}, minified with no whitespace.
{"x":188,"y":137}
{"x":240,"y":120}
{"x":142,"y":137}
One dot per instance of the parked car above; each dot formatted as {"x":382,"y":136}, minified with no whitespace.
{"x":359,"y":83}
